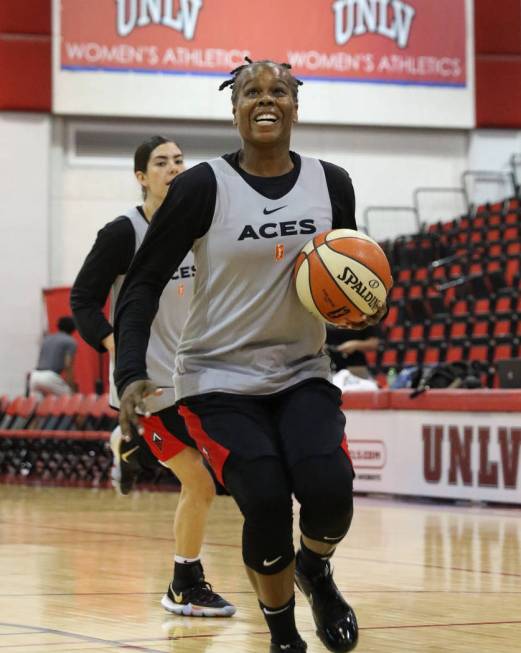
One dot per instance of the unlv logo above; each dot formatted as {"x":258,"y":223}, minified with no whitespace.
{"x":448,"y":452}
{"x":389,"y":18}
{"x":180,"y":15}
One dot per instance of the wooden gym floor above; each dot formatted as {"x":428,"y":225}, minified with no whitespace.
{"x":84,"y":570}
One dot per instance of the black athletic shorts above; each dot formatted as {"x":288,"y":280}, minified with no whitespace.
{"x":302,"y":421}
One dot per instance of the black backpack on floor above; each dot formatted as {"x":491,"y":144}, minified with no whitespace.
{"x":458,"y":374}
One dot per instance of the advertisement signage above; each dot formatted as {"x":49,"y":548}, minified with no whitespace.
{"x":473,"y":456}
{"x":340,"y":48}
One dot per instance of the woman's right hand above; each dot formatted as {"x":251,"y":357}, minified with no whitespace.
{"x":132,"y":401}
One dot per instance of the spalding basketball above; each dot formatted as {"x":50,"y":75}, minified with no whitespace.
{"x":342,"y":276}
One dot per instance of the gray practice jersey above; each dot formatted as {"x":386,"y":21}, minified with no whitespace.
{"x":167,"y":325}
{"x":247,"y":331}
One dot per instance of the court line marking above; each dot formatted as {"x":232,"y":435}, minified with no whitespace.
{"x":311,"y":630}
{"x":251,"y":592}
{"x":338,"y":556}
{"x":79,"y":638}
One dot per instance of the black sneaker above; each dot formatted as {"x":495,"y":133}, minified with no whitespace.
{"x":126,"y":465}
{"x":197,"y":601}
{"x":334,"y":618}
{"x":293,"y":647}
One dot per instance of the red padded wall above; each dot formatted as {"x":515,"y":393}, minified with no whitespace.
{"x":25,"y":55}
{"x":498,"y":63}
{"x":25,"y":16}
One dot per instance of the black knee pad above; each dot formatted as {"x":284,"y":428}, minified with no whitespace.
{"x":324,"y":489}
{"x":262,"y":491}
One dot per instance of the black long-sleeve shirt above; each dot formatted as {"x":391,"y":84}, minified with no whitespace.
{"x":109,"y":257}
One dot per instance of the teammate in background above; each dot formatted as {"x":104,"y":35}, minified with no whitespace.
{"x":157,"y":162}
{"x":251,"y":375}
{"x":54,"y":373}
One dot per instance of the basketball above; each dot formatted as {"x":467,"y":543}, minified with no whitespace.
{"x":342,"y":276}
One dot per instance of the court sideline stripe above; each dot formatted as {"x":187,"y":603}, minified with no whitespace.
{"x":310,"y":630}
{"x":338,"y":556}
{"x":82,"y":638}
{"x":350,"y":591}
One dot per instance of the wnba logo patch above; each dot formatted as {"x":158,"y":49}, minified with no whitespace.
{"x":279,"y":252}
{"x":180,"y":290}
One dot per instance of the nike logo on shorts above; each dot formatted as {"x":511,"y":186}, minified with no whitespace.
{"x":269,"y":563}
{"x":125,"y":456}
{"x":270,"y":211}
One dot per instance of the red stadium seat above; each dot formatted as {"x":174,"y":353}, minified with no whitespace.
{"x":4,"y":402}
{"x":43,"y":412}
{"x":390,"y":358}
{"x":417,"y":333}
{"x":514,"y":248}
{"x":436,"y":331}
{"x":392,"y":316}
{"x":482,"y":306}
{"x":396,"y":334}
{"x":432,"y":356}
{"x":503,"y":305}
{"x":503,"y":351}
{"x":480,"y":328}
{"x":512,"y":269}
{"x":478,"y":353}
{"x":502,"y":328}
{"x":460,"y":308}
{"x":24,"y":412}
{"x":458,"y":330}
{"x":454,"y":353}
{"x":421,"y":274}
{"x":11,"y":411}
{"x":410,"y":357}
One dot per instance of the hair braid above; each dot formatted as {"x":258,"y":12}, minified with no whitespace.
{"x":237,"y":72}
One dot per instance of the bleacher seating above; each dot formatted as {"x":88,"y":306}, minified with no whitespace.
{"x":457,"y":293}
{"x":63,"y":440}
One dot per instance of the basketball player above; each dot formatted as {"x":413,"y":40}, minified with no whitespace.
{"x":157,"y":162}
{"x":251,"y":375}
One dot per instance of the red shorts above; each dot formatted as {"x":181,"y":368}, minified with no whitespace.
{"x":166,"y":434}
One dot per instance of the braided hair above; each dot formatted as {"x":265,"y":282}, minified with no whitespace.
{"x":237,"y":73}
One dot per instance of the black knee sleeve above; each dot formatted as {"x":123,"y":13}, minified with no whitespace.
{"x":324,"y":488}
{"x":262,"y":491}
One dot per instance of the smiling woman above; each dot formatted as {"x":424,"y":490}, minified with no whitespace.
{"x":251,"y":377}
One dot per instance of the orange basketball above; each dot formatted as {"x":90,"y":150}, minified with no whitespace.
{"x":342,"y":276}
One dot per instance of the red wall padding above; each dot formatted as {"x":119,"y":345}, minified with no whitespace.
{"x":498,"y":91}
{"x":25,"y":16}
{"x":498,"y":63}
{"x":25,"y":55}
{"x":25,"y":82}
{"x":498,"y":26}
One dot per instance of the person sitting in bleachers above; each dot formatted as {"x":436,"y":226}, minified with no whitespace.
{"x":54,"y":373}
{"x":347,"y":349}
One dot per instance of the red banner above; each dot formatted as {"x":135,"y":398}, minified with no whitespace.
{"x":420,"y":42}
